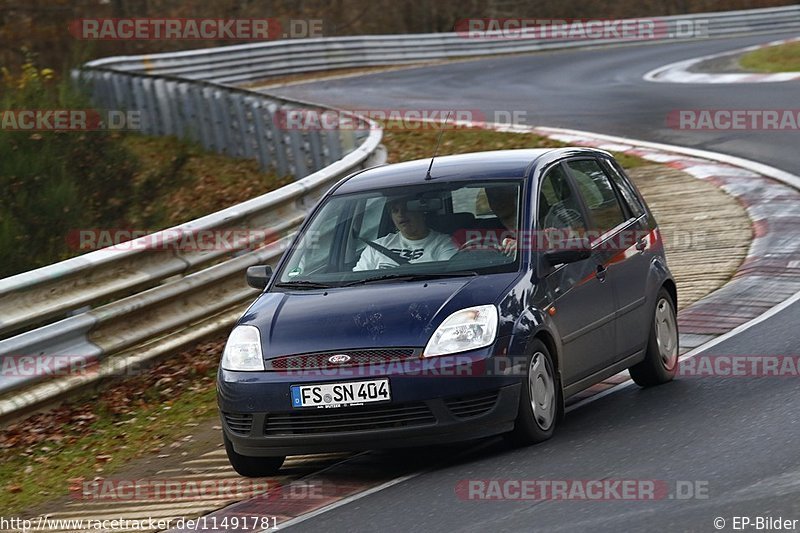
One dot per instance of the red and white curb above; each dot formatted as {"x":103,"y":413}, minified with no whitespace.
{"x":679,"y":72}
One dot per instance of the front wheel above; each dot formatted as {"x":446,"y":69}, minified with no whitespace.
{"x":540,"y":398}
{"x":248,"y":466}
{"x":661,"y":359}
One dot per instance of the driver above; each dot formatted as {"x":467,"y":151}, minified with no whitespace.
{"x":413,"y":241}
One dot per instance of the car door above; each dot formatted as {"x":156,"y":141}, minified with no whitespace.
{"x":619,"y":243}
{"x":583,"y":299}
{"x":636,"y":254}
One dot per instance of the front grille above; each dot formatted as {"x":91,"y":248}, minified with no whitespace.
{"x":239,"y":423}
{"x":319,"y":361}
{"x":352,"y":419}
{"x":469,"y":406}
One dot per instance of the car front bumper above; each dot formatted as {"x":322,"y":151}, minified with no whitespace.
{"x":433,"y":408}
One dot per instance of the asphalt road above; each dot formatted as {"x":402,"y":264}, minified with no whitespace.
{"x":598,"y":90}
{"x":738,"y":439}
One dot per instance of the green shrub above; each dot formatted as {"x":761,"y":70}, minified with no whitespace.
{"x":54,"y":182}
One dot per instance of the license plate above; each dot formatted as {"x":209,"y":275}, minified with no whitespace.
{"x":340,"y":394}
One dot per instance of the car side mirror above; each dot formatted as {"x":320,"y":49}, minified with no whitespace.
{"x":258,"y":276}
{"x":569,"y":251}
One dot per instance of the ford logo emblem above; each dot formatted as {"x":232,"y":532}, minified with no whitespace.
{"x":339,"y":358}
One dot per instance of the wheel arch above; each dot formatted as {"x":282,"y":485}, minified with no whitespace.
{"x":672,"y":289}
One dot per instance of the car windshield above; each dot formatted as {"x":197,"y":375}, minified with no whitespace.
{"x":413,"y":232}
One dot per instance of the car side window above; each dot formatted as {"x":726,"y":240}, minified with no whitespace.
{"x":625,"y":189}
{"x":598,"y":194}
{"x":558,"y":206}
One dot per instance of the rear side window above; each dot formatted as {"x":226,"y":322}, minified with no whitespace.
{"x":598,"y":194}
{"x":627,"y":191}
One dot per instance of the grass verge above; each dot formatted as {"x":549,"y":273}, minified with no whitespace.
{"x":404,"y":145}
{"x":179,"y":181}
{"x":781,"y":58}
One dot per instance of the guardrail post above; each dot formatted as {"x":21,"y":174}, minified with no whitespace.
{"x":333,"y":145}
{"x":316,"y":149}
{"x":156,"y":121}
{"x":261,"y":134}
{"x":175,"y":104}
{"x":218,"y":122}
{"x":232,"y":146}
{"x":140,"y":104}
{"x":123,"y":95}
{"x":163,"y":107}
{"x":245,"y":133}
{"x":204,"y":121}
{"x":348,"y":140}
{"x":278,"y":139}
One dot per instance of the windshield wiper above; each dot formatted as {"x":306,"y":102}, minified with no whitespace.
{"x":412,"y":277}
{"x":303,"y":284}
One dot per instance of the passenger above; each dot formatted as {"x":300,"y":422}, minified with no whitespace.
{"x":413,"y":241}
{"x":503,"y":201}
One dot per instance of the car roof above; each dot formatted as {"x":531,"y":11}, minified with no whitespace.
{"x":497,"y":164}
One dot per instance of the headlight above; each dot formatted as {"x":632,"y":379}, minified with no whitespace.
{"x":468,"y":329}
{"x":243,"y":350}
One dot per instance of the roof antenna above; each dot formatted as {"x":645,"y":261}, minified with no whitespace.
{"x":436,"y":151}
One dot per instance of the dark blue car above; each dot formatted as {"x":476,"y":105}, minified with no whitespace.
{"x":416,"y":308}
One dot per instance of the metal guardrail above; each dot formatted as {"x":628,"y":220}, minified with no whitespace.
{"x":135,"y":303}
{"x":228,"y":120}
{"x":245,"y":63}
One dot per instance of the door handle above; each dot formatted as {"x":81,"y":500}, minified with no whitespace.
{"x":600,"y":273}
{"x":641,"y":244}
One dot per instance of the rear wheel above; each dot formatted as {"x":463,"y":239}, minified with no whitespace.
{"x":661,"y":359}
{"x":540,"y":399}
{"x":248,"y":466}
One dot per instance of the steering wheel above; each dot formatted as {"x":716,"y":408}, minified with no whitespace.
{"x":560,"y":216}
{"x":482,"y":246}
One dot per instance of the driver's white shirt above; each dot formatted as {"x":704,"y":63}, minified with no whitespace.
{"x":434,"y":247}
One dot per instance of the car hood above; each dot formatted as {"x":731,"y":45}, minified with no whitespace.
{"x":397,"y":314}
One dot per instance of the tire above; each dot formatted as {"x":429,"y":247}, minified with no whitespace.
{"x":252,"y":466}
{"x":661,"y":358}
{"x":539,"y":399}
